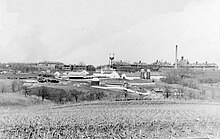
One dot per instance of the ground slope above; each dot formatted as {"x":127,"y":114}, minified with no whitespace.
{"x":137,"y":119}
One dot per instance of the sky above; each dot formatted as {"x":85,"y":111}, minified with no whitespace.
{"x":74,"y":31}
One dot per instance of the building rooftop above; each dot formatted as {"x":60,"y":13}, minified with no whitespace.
{"x":50,"y":62}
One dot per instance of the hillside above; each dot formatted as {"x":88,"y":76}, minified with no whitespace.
{"x":18,"y":99}
{"x":137,"y":119}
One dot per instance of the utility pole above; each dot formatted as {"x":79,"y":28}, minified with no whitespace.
{"x":176,"y":61}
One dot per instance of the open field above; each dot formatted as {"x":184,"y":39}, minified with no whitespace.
{"x":18,"y":100}
{"x":137,"y":119}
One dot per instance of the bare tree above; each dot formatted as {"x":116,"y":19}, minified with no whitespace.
{"x":81,"y":63}
{"x":13,"y":86}
{"x":43,"y":92}
{"x":3,"y":88}
{"x":213,"y":94}
{"x":167,"y":92}
{"x":181,"y":92}
{"x":125,"y":93}
{"x":26,"y":90}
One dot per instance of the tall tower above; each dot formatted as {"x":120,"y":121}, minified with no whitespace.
{"x":176,"y":62}
{"x":111,"y":58}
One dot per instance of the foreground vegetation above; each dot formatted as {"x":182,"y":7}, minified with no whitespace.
{"x":138,"y":119}
{"x":95,"y":115}
{"x":191,"y":77}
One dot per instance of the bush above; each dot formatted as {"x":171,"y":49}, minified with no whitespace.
{"x":56,"y":95}
{"x":74,"y":94}
{"x":185,"y":78}
{"x":191,"y":83}
{"x":171,"y":78}
{"x":209,"y":79}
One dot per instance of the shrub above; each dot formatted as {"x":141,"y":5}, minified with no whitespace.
{"x":74,"y":94}
{"x":190,"y":82}
{"x":171,"y":78}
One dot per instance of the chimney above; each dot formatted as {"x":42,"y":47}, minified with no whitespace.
{"x":176,"y":57}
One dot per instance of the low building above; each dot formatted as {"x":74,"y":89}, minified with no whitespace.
{"x":57,"y":74}
{"x":78,"y":67}
{"x":157,"y":90}
{"x":156,"y":76}
{"x":131,"y":76}
{"x":184,"y":63}
{"x":95,"y":82}
{"x":30,"y":83}
{"x":50,"y":65}
{"x":78,"y":75}
{"x":106,"y":73}
{"x":66,"y":67}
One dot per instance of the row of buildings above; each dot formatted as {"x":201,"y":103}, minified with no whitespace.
{"x":119,"y":66}
{"x":58,"y":66}
{"x":184,"y":63}
{"x":160,"y":65}
{"x":108,"y":73}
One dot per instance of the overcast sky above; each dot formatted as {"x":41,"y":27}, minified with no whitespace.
{"x":71,"y":31}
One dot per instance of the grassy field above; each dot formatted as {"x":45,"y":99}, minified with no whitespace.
{"x":18,"y":100}
{"x":122,"y":120}
{"x":29,"y":117}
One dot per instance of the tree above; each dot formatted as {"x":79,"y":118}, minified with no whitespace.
{"x":125,"y":93}
{"x":62,"y":95}
{"x":126,"y":85}
{"x":185,"y":72}
{"x":167,"y":92}
{"x":181,"y":92}
{"x":81,"y":63}
{"x":43,"y":92}
{"x":172,"y":78}
{"x":3,"y":88}
{"x":74,"y":93}
{"x":90,"y":68}
{"x":99,"y":95}
{"x":202,"y":94}
{"x":13,"y":86}
{"x":25,"y":90}
{"x":213,"y":94}
{"x":191,"y":94}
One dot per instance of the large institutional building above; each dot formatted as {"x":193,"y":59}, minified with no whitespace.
{"x":185,"y":63}
{"x":157,"y":65}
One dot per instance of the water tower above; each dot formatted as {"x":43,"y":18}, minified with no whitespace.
{"x":148,"y":74}
{"x":111,"y":58}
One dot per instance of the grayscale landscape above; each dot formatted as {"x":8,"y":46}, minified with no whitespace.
{"x":101,"y":69}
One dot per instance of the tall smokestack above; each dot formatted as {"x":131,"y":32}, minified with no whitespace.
{"x":176,"y":62}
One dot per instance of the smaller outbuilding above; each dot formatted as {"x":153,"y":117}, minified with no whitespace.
{"x":131,"y":76}
{"x":56,"y":74}
{"x":156,"y":76}
{"x":106,"y":73}
{"x":157,"y":90}
{"x":95,"y":82}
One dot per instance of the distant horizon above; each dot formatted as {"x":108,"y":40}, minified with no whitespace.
{"x":127,"y":61}
{"x":72,"y":31}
